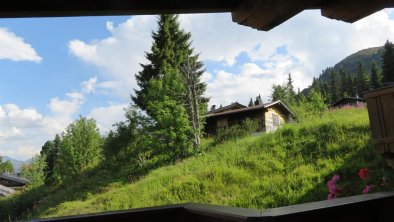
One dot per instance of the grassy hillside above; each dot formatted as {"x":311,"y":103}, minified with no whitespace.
{"x":270,"y":170}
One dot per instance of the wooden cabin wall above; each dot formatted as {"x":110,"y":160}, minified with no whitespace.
{"x":269,"y":121}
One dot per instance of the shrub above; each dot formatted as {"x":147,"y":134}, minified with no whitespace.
{"x":237,"y":131}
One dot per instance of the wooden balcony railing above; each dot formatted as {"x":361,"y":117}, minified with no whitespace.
{"x":377,"y":207}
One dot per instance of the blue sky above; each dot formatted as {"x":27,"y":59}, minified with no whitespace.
{"x":54,"y":69}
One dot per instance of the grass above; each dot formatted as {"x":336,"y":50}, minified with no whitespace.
{"x":288,"y":167}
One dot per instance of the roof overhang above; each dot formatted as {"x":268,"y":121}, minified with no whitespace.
{"x":258,"y":14}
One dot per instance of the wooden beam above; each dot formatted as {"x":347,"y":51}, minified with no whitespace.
{"x":60,"y":8}
{"x":267,"y":14}
{"x":353,"y":10}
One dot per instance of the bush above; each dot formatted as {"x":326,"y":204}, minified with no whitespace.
{"x":237,"y":131}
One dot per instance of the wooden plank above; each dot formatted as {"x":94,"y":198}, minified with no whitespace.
{"x":380,"y":92}
{"x":49,"y":8}
{"x":353,"y":10}
{"x":267,"y":14}
{"x":375,"y":123}
{"x":388,"y":113}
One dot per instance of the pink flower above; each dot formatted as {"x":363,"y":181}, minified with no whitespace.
{"x":331,"y":196}
{"x":335,"y":178}
{"x":367,"y":189}
{"x":363,"y":173}
{"x":331,"y":186}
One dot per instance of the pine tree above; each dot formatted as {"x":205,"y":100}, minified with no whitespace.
{"x":388,"y":62}
{"x":376,"y":78}
{"x":333,"y":87}
{"x":250,"y":102}
{"x":362,"y":80}
{"x":343,"y":84}
{"x":170,"y":47}
{"x":171,"y":54}
{"x":290,"y":93}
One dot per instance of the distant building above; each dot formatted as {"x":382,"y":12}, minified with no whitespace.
{"x":12,"y":181}
{"x":347,"y":102}
{"x":5,"y":191}
{"x":269,"y":116}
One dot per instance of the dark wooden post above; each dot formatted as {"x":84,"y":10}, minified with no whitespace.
{"x":380,"y":105}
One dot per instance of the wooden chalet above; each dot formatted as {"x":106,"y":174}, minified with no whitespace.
{"x":269,"y":116}
{"x":12,"y":181}
{"x":348,"y":102}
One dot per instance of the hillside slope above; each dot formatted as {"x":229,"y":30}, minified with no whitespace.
{"x":349,"y":64}
{"x":288,"y":167}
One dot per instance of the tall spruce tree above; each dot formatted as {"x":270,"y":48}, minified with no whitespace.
{"x":290,"y":90}
{"x":334,"y":87}
{"x":172,"y":63}
{"x":343,"y":84}
{"x":171,"y":47}
{"x":388,"y":62}
{"x":362,"y":80}
{"x":376,"y":78}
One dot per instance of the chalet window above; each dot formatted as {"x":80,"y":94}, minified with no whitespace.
{"x":275,"y":120}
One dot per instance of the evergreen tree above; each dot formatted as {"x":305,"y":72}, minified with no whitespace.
{"x":334,"y":87}
{"x":362,"y":80}
{"x":172,"y":123}
{"x":171,"y":54}
{"x":290,"y":93}
{"x":250,"y":102}
{"x":376,"y":78}
{"x":171,"y":47}
{"x":388,"y":62}
{"x":343,"y":92}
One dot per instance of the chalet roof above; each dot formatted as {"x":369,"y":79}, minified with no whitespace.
{"x":5,"y":191}
{"x":355,"y":99}
{"x":224,"y":108}
{"x":257,"y":107}
{"x":14,"y":178}
{"x":258,"y":14}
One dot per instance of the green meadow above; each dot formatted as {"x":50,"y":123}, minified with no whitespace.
{"x":290,"y":166}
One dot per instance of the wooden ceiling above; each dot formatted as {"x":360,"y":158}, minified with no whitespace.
{"x":258,"y":14}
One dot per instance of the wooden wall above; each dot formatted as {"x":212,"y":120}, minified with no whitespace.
{"x":269,"y":121}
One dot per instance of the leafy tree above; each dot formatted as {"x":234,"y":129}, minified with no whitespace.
{"x":50,"y":151}
{"x":316,"y":103}
{"x":362,"y":80}
{"x":376,"y":78}
{"x":388,"y":62}
{"x":80,"y":148}
{"x":6,"y":167}
{"x":35,"y":170}
{"x":279,"y":93}
{"x":131,"y":144}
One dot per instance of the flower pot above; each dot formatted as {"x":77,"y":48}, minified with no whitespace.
{"x":380,"y":105}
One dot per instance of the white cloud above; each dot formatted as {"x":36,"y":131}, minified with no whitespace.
{"x":107,"y":116}
{"x":120,"y":54}
{"x":311,"y":42}
{"x":14,"y":48}
{"x":89,"y":85}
